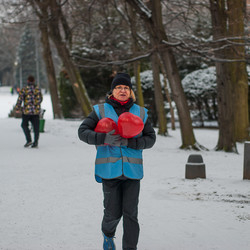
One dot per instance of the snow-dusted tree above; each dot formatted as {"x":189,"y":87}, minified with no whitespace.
{"x":20,"y":14}
{"x":154,"y":24}
{"x":228,"y":35}
{"x":159,"y":99}
{"x":47,"y":55}
{"x":188,"y":28}
{"x":100,"y":38}
{"x":100,"y":35}
{"x":60,"y":33}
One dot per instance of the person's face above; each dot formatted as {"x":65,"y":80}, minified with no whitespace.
{"x":121,"y":92}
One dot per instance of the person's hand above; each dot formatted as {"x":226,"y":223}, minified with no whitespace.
{"x":113,"y":140}
{"x":124,"y":141}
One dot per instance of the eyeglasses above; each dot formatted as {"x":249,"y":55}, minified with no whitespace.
{"x":121,"y":88}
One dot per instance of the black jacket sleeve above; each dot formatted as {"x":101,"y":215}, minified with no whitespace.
{"x":147,"y":140}
{"x":86,"y":131}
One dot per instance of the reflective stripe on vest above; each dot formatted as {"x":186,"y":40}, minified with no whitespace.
{"x":115,"y":159}
{"x":111,"y":161}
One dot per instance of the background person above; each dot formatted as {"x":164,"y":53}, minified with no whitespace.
{"x":31,"y":97}
{"x":119,"y":164}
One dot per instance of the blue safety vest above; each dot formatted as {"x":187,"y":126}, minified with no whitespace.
{"x":112,"y":161}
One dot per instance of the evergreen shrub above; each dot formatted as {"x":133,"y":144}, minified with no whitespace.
{"x":67,"y":96}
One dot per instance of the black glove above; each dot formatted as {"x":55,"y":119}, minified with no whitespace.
{"x":113,"y":140}
{"x":124,"y":142}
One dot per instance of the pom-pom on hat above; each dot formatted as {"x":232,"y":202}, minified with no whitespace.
{"x":121,"y":79}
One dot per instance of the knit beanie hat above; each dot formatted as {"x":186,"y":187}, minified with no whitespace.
{"x":31,"y":79}
{"x":121,"y":79}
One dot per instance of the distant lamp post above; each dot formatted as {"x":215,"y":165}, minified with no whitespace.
{"x":14,"y":73}
{"x":19,"y":63}
{"x":37,"y":61}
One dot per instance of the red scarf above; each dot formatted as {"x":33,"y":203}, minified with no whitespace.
{"x":122,"y":103}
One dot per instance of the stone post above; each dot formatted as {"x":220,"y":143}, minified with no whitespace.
{"x":195,"y":168}
{"x":246,"y":173}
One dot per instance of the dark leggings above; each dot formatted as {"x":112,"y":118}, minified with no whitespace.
{"x":34,"y":119}
{"x":121,"y":198}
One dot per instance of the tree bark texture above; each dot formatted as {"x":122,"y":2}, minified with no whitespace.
{"x":171,"y":109}
{"x":231,"y":77}
{"x":238,"y":70}
{"x":57,"y":112}
{"x":226,"y":139}
{"x":140,"y":99}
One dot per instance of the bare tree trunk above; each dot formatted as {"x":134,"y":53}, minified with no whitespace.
{"x":136,"y":65}
{"x":153,"y":22}
{"x":238,"y":70}
{"x":42,"y":14}
{"x":168,"y":98}
{"x":226,"y":140}
{"x":74,"y":74}
{"x":57,"y":112}
{"x":169,"y":102}
{"x":53,"y":21}
{"x":231,"y":85}
{"x":159,"y":102}
{"x":249,"y":107}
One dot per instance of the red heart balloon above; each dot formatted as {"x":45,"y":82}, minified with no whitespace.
{"x":106,"y":125}
{"x":129,"y":125}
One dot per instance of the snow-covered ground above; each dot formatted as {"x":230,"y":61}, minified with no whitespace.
{"x":49,"y":199}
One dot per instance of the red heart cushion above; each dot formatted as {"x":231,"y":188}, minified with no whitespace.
{"x":129,"y":125}
{"x":106,"y":125}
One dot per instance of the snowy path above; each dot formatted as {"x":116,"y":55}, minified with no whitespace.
{"x":50,"y":201}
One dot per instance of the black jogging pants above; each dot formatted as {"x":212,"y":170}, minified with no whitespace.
{"x":121,"y":198}
{"x":34,"y":119}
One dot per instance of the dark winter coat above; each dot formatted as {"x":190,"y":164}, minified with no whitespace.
{"x":87,"y":134}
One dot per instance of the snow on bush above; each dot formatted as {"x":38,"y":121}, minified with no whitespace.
{"x":147,"y":81}
{"x":200,"y":83}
